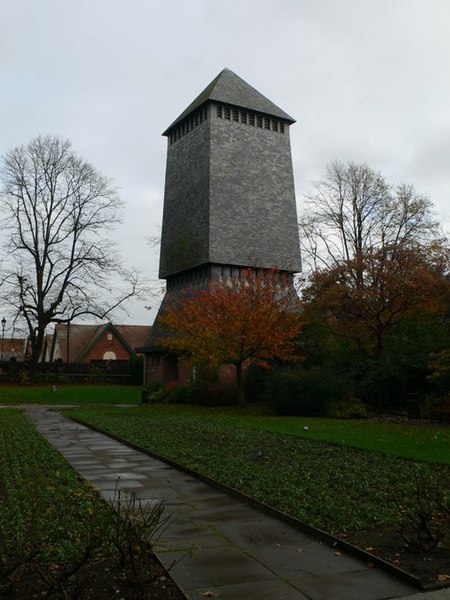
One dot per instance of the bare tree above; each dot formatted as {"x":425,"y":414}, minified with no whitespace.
{"x":59,"y":263}
{"x":376,"y":255}
{"x":353,"y":212}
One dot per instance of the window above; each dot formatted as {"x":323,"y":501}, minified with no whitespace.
{"x":219,"y":112}
{"x":266,"y":123}
{"x":109,"y":336}
{"x":227,"y":113}
{"x":259,"y":121}
{"x":235,"y":115}
{"x":251,"y":119}
{"x":281,"y":127}
{"x":275,"y":125}
{"x":244,"y":117}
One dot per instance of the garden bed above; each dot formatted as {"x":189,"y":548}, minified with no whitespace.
{"x":362,"y":497}
{"x":58,"y":539}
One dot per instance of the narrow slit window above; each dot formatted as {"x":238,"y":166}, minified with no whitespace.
{"x":244,"y":117}
{"x":219,"y":112}
{"x":251,"y":120}
{"x":281,"y":127}
{"x":266,"y":123}
{"x":227,"y":113}
{"x":275,"y":125}
{"x":259,"y":121}
{"x":235,"y":115}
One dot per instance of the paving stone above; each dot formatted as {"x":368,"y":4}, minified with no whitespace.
{"x":213,"y":566}
{"x":273,"y":589}
{"x":367,"y":584}
{"x":237,"y":513}
{"x":267,"y":532}
{"x":436,"y":595}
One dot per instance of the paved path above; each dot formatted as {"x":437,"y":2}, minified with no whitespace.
{"x":226,"y":547}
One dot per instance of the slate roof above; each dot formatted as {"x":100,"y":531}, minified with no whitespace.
{"x":229,"y":88}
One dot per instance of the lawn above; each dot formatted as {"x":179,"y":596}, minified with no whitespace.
{"x":418,"y":443}
{"x":336,"y":488}
{"x":70,"y":394}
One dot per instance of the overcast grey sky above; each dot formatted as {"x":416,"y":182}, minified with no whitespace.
{"x":367,"y":80}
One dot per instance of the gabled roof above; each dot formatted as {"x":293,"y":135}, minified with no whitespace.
{"x":229,"y":88}
{"x":98,"y":335}
{"x":79,"y":337}
{"x":135,"y":335}
{"x":84,"y":337}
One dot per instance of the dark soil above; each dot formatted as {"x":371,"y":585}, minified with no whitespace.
{"x":430,"y":567}
{"x":97,"y":580}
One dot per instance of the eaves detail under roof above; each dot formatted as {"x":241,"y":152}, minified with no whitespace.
{"x":229,"y":88}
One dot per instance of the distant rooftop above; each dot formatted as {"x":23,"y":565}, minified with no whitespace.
{"x":229,"y":88}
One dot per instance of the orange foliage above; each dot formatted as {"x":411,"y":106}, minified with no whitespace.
{"x":365,"y":298}
{"x":255,"y":317}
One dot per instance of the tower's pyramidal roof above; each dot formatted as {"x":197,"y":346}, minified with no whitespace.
{"x":229,"y":88}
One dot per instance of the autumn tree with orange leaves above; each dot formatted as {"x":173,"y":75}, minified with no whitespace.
{"x":367,"y":297}
{"x":254,"y":317}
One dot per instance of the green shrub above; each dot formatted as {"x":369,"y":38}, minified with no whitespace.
{"x":304,"y":392}
{"x":255,"y":384}
{"x":203,"y":394}
{"x":346,"y":408}
{"x":179,"y":395}
{"x":158,"y":397}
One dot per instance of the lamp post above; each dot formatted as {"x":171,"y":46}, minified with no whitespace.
{"x":3,"y":334}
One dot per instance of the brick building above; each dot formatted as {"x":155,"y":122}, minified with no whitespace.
{"x":13,"y":349}
{"x":85,"y":344}
{"x":229,"y":200}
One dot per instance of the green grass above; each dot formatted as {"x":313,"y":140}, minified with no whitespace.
{"x":431,"y":444}
{"x":70,"y":394}
{"x":335,"y":488}
{"x":419,"y":443}
{"x":36,"y":484}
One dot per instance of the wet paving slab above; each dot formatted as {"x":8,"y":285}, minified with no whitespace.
{"x":212,"y":542}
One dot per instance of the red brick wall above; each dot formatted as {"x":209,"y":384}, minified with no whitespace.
{"x":161,"y":368}
{"x":104,"y":345}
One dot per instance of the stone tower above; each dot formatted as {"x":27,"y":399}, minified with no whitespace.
{"x":229,"y":198}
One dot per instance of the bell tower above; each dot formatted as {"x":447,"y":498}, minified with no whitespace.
{"x":229,"y":200}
